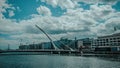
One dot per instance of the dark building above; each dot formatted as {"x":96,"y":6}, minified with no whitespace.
{"x":23,"y":47}
{"x":64,"y":43}
{"x":61,"y":44}
{"x":31,"y":46}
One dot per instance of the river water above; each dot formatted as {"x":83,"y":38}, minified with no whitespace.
{"x":56,"y":61}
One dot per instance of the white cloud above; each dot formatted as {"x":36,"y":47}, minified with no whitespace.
{"x":64,"y":4}
{"x":113,"y":22}
{"x":76,"y":20}
{"x":99,"y":20}
{"x":18,"y":8}
{"x":9,"y":27}
{"x":3,"y":7}
{"x":101,"y":12}
{"x":54,"y":3}
{"x":70,"y":4}
{"x":107,"y":27}
{"x":44,"y":10}
{"x":5,"y":42}
{"x":110,"y":2}
{"x":11,"y":13}
{"x":67,"y":4}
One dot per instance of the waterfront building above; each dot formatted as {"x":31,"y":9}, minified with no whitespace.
{"x":31,"y":46}
{"x":79,"y":44}
{"x":63,"y":42}
{"x":107,"y":43}
{"x":85,"y":42}
{"x":23,"y":47}
{"x":35,"y":46}
{"x":46,"y":45}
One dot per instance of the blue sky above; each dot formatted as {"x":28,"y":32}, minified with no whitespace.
{"x":25,"y":8}
{"x":59,"y":18}
{"x":29,"y":7}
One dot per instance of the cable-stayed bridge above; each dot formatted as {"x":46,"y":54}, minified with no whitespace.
{"x":51,"y":41}
{"x":53,"y":50}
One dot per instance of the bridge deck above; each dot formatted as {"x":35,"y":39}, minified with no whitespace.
{"x":38,"y":50}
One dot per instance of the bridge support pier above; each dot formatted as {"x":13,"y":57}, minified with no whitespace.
{"x":69,"y":52}
{"x":51,"y":52}
{"x":59,"y":52}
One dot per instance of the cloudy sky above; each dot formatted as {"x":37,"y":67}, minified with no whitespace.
{"x":59,"y":18}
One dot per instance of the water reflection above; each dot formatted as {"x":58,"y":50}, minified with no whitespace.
{"x":50,"y":61}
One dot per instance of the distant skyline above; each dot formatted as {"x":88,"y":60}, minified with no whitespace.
{"x":59,"y":18}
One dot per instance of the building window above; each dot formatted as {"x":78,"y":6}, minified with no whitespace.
{"x":110,"y":38}
{"x":106,"y":40}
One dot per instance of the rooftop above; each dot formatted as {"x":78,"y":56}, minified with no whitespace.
{"x":116,"y":34}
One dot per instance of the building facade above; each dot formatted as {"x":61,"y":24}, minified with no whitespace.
{"x":85,"y":42}
{"x":61,"y":44}
{"x":31,"y":46}
{"x":109,"y":42}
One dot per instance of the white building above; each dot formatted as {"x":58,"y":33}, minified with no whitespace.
{"x":79,"y":44}
{"x":111,"y":42}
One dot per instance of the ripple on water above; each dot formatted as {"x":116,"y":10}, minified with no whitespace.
{"x":49,"y":61}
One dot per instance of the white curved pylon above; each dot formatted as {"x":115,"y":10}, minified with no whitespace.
{"x":55,"y":47}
